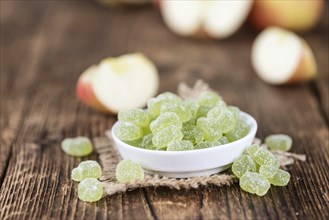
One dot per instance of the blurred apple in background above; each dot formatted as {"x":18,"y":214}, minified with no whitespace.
{"x":291,"y":14}
{"x":217,"y":19}
{"x":118,"y":83}
{"x":281,"y":57}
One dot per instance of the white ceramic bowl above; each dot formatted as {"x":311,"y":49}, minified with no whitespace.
{"x":181,"y":164}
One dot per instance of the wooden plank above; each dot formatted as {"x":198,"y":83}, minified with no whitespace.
{"x":37,"y":183}
{"x":21,"y":42}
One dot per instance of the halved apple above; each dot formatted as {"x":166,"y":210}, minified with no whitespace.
{"x":217,"y":19}
{"x":280,"y":57}
{"x":118,"y":83}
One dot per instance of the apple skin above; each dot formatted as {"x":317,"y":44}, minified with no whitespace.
{"x":295,"y":15}
{"x":307,"y":68}
{"x":85,"y":94}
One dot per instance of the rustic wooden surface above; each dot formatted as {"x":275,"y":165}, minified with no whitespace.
{"x":45,"y":45}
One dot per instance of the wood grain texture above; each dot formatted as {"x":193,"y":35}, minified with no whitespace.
{"x":45,"y":45}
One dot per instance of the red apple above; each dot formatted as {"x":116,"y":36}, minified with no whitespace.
{"x":118,"y":83}
{"x":291,"y":14}
{"x":217,"y":19}
{"x":281,"y":57}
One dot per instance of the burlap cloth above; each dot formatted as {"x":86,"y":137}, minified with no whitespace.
{"x":110,"y":157}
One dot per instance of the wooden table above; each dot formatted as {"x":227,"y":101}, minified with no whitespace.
{"x":45,"y":45}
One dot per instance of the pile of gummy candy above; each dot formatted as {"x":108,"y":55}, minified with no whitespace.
{"x":171,"y":124}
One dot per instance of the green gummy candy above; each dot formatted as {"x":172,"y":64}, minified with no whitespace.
{"x":193,"y":107}
{"x":127,"y":131}
{"x":239,"y":131}
{"x":147,"y":142}
{"x":262,"y":156}
{"x":138,"y":117}
{"x":192,"y":133}
{"x":279,"y":142}
{"x":221,"y":141}
{"x":180,"y":145}
{"x":276,"y":176}
{"x":203,"y":144}
{"x":86,"y":169}
{"x":154,"y":104}
{"x":76,"y":174}
{"x":254,"y":183}
{"x":210,"y":129}
{"x":162,"y":138}
{"x":243,"y":164}
{"x":224,"y":117}
{"x":164,"y":120}
{"x":90,"y":190}
{"x":128,"y":171}
{"x":180,"y":110}
{"x":79,"y":146}
{"x":208,"y":99}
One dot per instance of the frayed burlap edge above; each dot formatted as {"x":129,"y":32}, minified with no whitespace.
{"x":109,"y":158}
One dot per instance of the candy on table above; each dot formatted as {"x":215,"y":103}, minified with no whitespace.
{"x":127,"y":131}
{"x":180,"y":145}
{"x":243,"y":164}
{"x":90,"y":190}
{"x":164,"y":120}
{"x":254,"y":183}
{"x":192,"y":133}
{"x":162,"y":138}
{"x":86,"y":169}
{"x":79,"y":146}
{"x":210,"y":129}
{"x":262,"y":156}
{"x":128,"y":171}
{"x":180,"y":110}
{"x":138,"y":117}
{"x":276,"y":176}
{"x":279,"y":142}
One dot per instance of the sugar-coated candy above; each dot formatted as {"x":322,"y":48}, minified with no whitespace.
{"x":138,"y":117}
{"x":127,"y":131}
{"x":192,"y":133}
{"x":210,"y":129}
{"x":154,"y":104}
{"x":164,"y":120}
{"x":254,"y":183}
{"x":224,"y":117}
{"x":86,"y":169}
{"x":239,"y":131}
{"x":262,"y":156}
{"x":279,"y":142}
{"x":243,"y":164}
{"x":221,"y":141}
{"x":192,"y":106}
{"x":180,"y":110}
{"x":147,"y":142}
{"x":203,"y":111}
{"x":180,"y":145}
{"x":235,"y":111}
{"x":128,"y":171}
{"x":79,"y":146}
{"x":76,"y":174}
{"x":90,"y":190}
{"x":203,"y":144}
{"x":276,"y":176}
{"x":162,"y":138}
{"x":208,"y":99}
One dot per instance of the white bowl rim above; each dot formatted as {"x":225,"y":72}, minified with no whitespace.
{"x":248,"y":118}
